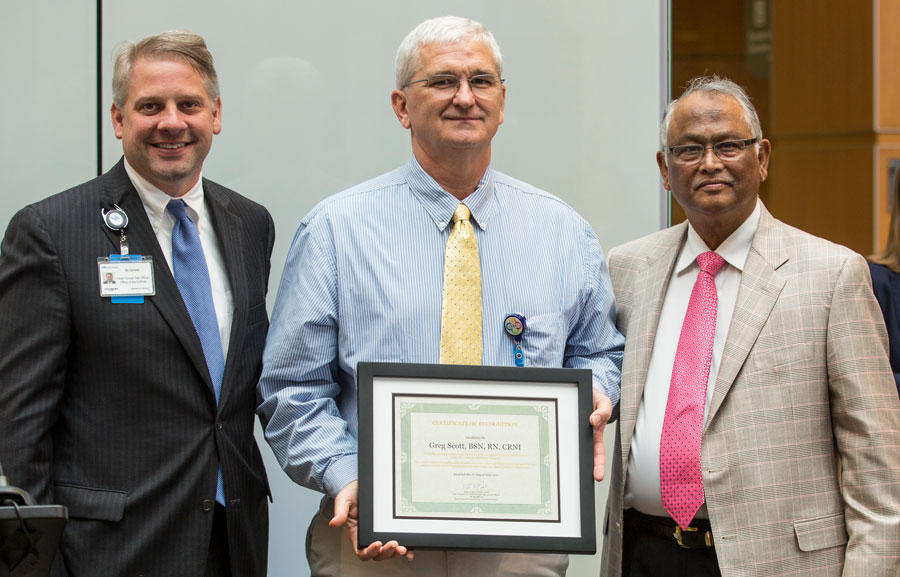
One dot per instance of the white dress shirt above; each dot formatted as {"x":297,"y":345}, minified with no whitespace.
{"x":642,"y":490}
{"x":155,"y":202}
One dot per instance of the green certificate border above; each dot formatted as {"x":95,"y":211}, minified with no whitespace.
{"x":536,"y":512}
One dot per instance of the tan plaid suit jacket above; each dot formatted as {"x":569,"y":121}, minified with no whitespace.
{"x":804,"y":385}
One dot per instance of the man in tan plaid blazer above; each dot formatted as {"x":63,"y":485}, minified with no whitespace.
{"x":800,"y":458}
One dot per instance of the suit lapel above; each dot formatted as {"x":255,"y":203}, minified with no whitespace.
{"x":118,"y":189}
{"x":650,"y":284}
{"x":230,"y":233}
{"x":759,"y":290}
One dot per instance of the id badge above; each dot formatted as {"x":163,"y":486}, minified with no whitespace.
{"x":126,"y":278}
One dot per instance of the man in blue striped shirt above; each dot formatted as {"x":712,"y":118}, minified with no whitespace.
{"x":364,"y":278}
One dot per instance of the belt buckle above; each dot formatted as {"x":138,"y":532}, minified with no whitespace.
{"x":707,"y":537}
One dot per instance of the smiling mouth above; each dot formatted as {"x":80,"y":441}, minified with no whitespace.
{"x":170,"y":146}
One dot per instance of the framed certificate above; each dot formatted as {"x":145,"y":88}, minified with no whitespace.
{"x":474,"y":457}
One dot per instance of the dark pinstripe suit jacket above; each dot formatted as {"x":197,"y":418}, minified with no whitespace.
{"x":108,"y":409}
{"x":804,"y":381}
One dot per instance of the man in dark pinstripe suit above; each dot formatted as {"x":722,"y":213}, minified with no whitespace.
{"x":109,"y":407}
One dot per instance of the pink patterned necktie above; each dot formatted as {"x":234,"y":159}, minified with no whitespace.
{"x":679,"y":448}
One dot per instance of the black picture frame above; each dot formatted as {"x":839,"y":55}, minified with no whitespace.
{"x":571,"y":530}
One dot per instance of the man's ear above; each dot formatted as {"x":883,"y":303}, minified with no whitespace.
{"x":502,"y":101}
{"x":399,"y":104}
{"x":217,"y":116}
{"x":765,"y":149}
{"x":116,"y":116}
{"x":663,"y":168}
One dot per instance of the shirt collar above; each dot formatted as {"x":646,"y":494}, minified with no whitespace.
{"x":155,"y":200}
{"x":733,"y":249}
{"x":440,"y":204}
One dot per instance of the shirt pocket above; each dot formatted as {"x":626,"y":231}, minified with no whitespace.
{"x":544,"y":340}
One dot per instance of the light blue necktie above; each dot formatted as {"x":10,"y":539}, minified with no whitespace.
{"x":192,"y":278}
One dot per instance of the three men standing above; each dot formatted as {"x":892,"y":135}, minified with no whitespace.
{"x":763,"y":439}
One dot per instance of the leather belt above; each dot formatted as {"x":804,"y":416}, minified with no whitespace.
{"x":697,"y":536}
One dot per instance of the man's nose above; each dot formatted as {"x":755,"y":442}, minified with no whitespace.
{"x":464,"y":96}
{"x":709,"y":161}
{"x":171,"y":119}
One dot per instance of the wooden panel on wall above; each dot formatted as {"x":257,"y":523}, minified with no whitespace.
{"x":888,"y":51}
{"x":888,"y":150}
{"x":822,"y":110}
{"x":822,"y":67}
{"x":702,"y":27}
{"x":824,"y":186}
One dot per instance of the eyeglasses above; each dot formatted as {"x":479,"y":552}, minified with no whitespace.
{"x":447,"y":84}
{"x":725,"y":150}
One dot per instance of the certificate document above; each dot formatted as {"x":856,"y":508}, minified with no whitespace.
{"x":490,"y":458}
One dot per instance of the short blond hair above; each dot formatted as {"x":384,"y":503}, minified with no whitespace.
{"x":175,"y":44}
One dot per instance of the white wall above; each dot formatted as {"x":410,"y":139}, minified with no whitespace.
{"x":48,"y":134}
{"x":306,"y":86}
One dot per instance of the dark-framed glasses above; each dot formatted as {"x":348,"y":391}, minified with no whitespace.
{"x":725,"y":150}
{"x":480,"y":84}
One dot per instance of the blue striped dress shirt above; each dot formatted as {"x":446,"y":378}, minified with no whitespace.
{"x":363,"y":282}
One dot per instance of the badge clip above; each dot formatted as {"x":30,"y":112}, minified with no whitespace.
{"x":515,"y":326}
{"x":116,"y":220}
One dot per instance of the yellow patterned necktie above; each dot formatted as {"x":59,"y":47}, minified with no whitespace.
{"x":461,"y":305}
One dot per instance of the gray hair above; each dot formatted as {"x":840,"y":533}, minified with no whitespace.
{"x":713,"y":85}
{"x":172,"y":45}
{"x":442,"y":30}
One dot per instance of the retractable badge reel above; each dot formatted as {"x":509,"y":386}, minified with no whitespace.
{"x":515,"y":326}
{"x":117,"y":220}
{"x":124,"y":277}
